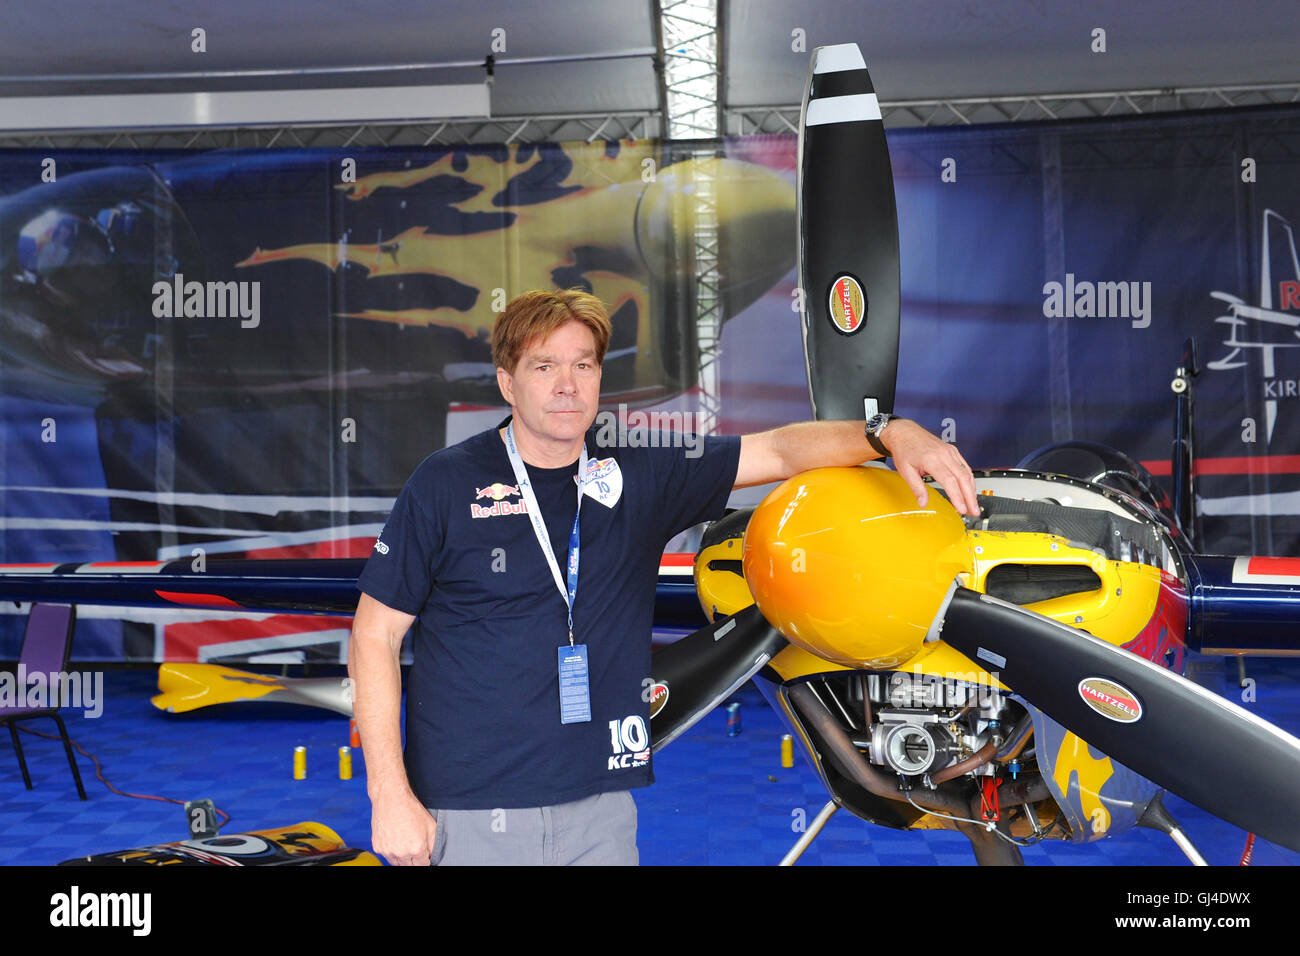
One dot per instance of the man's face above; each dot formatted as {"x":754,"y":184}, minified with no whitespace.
{"x":555,"y":388}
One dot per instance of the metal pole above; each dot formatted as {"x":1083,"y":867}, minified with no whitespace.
{"x":801,"y":844}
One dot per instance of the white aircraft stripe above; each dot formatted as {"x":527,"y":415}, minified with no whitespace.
{"x":76,"y":524}
{"x":119,"y":567}
{"x":275,"y":540}
{"x":245,"y":541}
{"x":277,"y":642}
{"x":254,"y":504}
{"x":838,"y":58}
{"x":858,"y":108}
{"x":1278,"y":503}
{"x":160,"y":615}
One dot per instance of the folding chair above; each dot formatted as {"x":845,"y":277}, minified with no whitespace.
{"x":47,"y":643}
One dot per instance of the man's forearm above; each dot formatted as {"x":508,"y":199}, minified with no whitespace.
{"x":375,"y":668}
{"x":808,"y":445}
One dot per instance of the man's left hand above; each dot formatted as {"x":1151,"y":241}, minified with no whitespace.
{"x":916,"y":453}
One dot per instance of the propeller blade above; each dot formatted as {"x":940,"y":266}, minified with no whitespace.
{"x":183,"y":687}
{"x":848,"y":239}
{"x":1182,"y":737}
{"x":703,"y":669}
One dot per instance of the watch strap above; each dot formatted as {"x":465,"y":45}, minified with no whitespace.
{"x":879,"y":421}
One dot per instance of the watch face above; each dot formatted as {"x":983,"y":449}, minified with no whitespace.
{"x":877,"y":422}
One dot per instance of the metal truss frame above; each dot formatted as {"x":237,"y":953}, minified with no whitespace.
{"x":641,"y":124}
{"x":968,"y":111}
{"x":689,"y":41}
{"x":707,"y":298}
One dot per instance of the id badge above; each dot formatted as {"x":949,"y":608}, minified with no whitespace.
{"x":575,"y":691}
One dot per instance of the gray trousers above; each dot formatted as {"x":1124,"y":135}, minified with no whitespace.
{"x":599,"y":830}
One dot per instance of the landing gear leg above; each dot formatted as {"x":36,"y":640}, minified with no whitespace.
{"x":819,"y":821}
{"x":1157,"y":818}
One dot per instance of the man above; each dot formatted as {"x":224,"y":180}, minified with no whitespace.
{"x":520,"y":696}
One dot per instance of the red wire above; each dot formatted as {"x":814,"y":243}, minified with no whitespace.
{"x":1249,"y":851}
{"x":990,"y":803}
{"x":99,"y":774}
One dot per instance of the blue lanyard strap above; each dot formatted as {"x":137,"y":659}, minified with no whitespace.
{"x":570,"y":594}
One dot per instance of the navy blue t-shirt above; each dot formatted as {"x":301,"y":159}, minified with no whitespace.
{"x":458,"y":551}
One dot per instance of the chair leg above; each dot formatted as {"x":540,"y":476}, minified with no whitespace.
{"x":18,"y":748}
{"x":72,"y":761}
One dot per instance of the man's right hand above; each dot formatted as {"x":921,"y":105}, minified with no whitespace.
{"x":402,"y":831}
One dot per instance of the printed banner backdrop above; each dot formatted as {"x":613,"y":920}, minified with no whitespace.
{"x":339,"y":333}
{"x":1186,"y":219}
{"x":246,"y":353}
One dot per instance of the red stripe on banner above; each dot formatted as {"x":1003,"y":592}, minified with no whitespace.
{"x":1289,"y":567}
{"x":343,"y":548}
{"x":125,"y":564}
{"x":207,"y":600}
{"x":677,"y":559}
{"x":1244,"y":465}
{"x":182,"y":641}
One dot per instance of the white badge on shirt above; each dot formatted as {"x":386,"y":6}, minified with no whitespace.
{"x":602,"y":481}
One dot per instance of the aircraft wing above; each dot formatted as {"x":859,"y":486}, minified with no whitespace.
{"x":306,"y":586}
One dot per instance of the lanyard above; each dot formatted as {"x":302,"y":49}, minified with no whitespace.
{"x":570,"y":593}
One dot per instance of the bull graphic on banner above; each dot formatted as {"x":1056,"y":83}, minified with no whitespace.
{"x":1267,"y":336}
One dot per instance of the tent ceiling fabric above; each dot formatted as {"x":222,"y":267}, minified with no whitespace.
{"x":932,"y":49}
{"x":65,"y":37}
{"x":916,"y":49}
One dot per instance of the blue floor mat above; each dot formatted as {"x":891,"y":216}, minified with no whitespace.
{"x":719,"y":800}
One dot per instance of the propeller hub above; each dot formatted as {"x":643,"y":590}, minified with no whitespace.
{"x":844,"y":563}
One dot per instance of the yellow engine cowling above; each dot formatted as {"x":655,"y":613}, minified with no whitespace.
{"x":845,"y":564}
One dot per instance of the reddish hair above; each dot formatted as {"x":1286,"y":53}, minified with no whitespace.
{"x":533,"y":316}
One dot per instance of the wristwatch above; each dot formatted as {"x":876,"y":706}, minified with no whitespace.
{"x":875,"y":425}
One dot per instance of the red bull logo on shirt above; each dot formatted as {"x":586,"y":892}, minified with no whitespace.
{"x":500,"y":508}
{"x":496,"y":491}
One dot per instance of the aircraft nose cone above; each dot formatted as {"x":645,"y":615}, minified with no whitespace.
{"x":844,"y":563}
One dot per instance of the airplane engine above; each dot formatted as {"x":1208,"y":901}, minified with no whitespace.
{"x":845,"y":565}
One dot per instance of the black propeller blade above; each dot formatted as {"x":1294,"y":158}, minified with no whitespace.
{"x":1188,"y":740}
{"x":702,"y":669}
{"x":848,"y":239}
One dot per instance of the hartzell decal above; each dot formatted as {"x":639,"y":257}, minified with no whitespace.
{"x":658,"y":697}
{"x":1113,"y":701}
{"x":848,"y":304}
